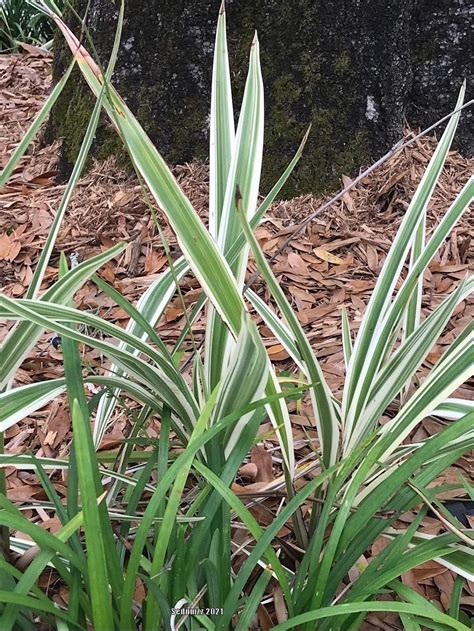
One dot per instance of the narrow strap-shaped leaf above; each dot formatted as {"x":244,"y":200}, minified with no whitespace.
{"x":326,"y":420}
{"x":244,"y":174}
{"x":342,"y":532}
{"x":413,"y":308}
{"x":264,"y":541}
{"x":138,"y":325}
{"x":103,"y":618}
{"x":364,"y":584}
{"x":13,"y":518}
{"x":155,"y":501}
{"x":365,"y":362}
{"x":35,"y":604}
{"x":392,"y":313}
{"x":20,"y":150}
{"x":371,"y":606}
{"x":423,"y":463}
{"x":346,"y":337}
{"x":172,"y":506}
{"x":22,"y":338}
{"x":253,"y":601}
{"x":200,"y":250}
{"x":244,"y":380}
{"x":279,"y":329}
{"x":222,"y":131}
{"x":447,"y":375}
{"x":250,"y":522}
{"x":19,"y":403}
{"x":257,"y":218}
{"x":246,"y":165}
{"x":456,"y":597}
{"x":33,"y":571}
{"x":460,"y":559}
{"x":150,"y":308}
{"x":412,"y":596}
{"x":89,"y":136}
{"x":162,"y":378}
{"x":35,"y":396}
{"x":409,"y":356}
{"x":76,"y":397}
{"x":452,"y":409}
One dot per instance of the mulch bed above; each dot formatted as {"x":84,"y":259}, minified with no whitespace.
{"x":335,"y":262}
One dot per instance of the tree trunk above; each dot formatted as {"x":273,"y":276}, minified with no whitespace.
{"x":355,"y":69}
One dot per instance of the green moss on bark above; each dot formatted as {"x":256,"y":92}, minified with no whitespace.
{"x":73,"y":111}
{"x":168,"y":86}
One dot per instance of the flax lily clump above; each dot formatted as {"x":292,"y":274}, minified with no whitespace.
{"x":127,"y":567}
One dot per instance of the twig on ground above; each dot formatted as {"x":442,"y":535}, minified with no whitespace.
{"x":395,"y":149}
{"x":401,"y":144}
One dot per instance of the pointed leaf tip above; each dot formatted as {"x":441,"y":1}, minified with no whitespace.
{"x":222,"y":9}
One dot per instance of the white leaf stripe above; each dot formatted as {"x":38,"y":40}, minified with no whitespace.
{"x":405,"y":361}
{"x":278,"y":328}
{"x":222,"y":132}
{"x":365,"y":359}
{"x":460,"y":561}
{"x":162,"y":378}
{"x":244,"y":176}
{"x":22,"y":338}
{"x":197,"y":245}
{"x":151,"y":306}
{"x":244,"y":381}
{"x":453,"y":409}
{"x":325,"y":416}
{"x":393,"y":313}
{"x":346,"y":337}
{"x":448,"y":374}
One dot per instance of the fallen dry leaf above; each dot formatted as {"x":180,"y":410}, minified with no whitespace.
{"x":277,"y":352}
{"x":260,"y":457}
{"x":5,"y":245}
{"x":327,"y":256}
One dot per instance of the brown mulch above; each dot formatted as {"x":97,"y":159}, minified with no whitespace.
{"x":334,"y":263}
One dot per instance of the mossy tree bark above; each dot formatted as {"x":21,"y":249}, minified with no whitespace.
{"x":355,"y":69}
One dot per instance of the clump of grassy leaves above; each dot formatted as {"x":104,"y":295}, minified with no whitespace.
{"x":129,"y":569}
{"x":25,"y":21}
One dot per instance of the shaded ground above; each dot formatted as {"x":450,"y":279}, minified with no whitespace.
{"x":335,"y":262}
